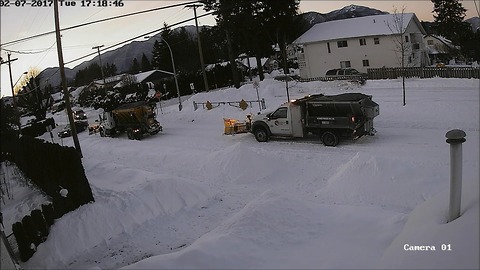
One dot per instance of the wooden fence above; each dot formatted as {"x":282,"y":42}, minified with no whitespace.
{"x":424,"y":72}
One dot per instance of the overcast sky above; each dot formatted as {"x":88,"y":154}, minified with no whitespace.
{"x":26,"y":21}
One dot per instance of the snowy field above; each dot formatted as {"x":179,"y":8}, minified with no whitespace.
{"x":191,"y":197}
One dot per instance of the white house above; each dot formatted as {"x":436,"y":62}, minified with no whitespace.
{"x":440,"y":49}
{"x":362,"y":43}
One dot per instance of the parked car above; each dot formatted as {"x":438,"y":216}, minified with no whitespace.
{"x":67,"y":132}
{"x":58,"y":107}
{"x":347,"y":74}
{"x":79,"y":115}
{"x":343,"y":72}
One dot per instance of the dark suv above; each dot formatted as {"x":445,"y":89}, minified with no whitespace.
{"x":67,"y":132}
{"x":347,"y":74}
{"x":342,"y":71}
{"x":79,"y":115}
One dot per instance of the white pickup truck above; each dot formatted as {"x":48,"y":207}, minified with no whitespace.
{"x":329,"y":117}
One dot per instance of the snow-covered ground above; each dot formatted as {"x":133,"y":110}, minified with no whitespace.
{"x":192,"y":197}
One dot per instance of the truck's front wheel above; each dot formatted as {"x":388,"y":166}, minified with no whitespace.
{"x":329,"y":138}
{"x":138,"y":135}
{"x":130,"y":134}
{"x":261,"y":134}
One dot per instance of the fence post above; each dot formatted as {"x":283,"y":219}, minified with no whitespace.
{"x":455,"y":138}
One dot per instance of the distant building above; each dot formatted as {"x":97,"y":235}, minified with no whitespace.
{"x":150,"y":78}
{"x":109,"y":82}
{"x":360,"y":43}
{"x":440,"y":50}
{"x":268,"y":64}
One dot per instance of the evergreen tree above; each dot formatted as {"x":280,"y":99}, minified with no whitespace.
{"x":9,"y":118}
{"x":280,"y":19}
{"x":156,"y":55}
{"x":449,"y":19}
{"x":145,"y":65}
{"x":160,"y":53}
{"x":34,"y":99}
{"x":135,"y":67}
{"x":110,"y":70}
{"x":250,"y":24}
{"x":93,"y":72}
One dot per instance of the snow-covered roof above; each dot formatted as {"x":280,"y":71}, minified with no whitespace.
{"x":440,"y":38}
{"x":142,"y":76}
{"x":375,"y":25}
{"x":111,"y":79}
{"x":442,"y":46}
{"x":253,"y":61}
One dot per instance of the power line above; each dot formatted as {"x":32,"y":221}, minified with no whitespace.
{"x":136,"y":37}
{"x":120,"y":43}
{"x":29,"y":52}
{"x":131,"y":39}
{"x":93,"y":22}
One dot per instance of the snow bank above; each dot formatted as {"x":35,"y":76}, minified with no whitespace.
{"x":275,"y":231}
{"x":115,"y":213}
{"x":427,"y":226}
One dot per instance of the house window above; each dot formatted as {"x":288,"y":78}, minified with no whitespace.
{"x":366,"y":63}
{"x":376,"y":40}
{"x":406,"y":38}
{"x":328,"y":47}
{"x":416,"y":46}
{"x":345,"y":64}
{"x":342,"y":43}
{"x":430,"y":42}
{"x":363,"y":42}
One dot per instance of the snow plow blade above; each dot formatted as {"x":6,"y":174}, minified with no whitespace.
{"x":233,"y":126}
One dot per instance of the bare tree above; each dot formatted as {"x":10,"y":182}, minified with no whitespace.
{"x":403,"y":45}
{"x":32,"y":72}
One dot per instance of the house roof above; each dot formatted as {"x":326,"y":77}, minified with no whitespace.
{"x":111,"y":79}
{"x":253,"y":61}
{"x":447,"y":47}
{"x":375,"y":25}
{"x":151,"y":75}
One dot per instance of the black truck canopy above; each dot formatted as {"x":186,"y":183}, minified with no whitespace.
{"x":345,"y":97}
{"x":340,"y":105}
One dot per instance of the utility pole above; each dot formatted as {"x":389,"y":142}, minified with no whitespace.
{"x":101,"y":66}
{"x":9,"y":61}
{"x":66,"y":95}
{"x":200,"y":51}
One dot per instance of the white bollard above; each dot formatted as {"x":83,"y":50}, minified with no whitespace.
{"x":455,"y":138}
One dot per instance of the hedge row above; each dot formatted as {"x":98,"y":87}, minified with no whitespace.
{"x":52,"y":168}
{"x":55,"y":169}
{"x":38,"y":128}
{"x":33,"y":230}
